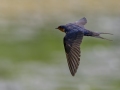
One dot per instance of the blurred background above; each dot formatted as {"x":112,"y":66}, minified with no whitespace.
{"x":32,"y":54}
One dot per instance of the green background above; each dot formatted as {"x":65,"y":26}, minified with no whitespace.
{"x":32,"y":54}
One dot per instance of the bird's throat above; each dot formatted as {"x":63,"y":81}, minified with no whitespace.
{"x":63,"y":30}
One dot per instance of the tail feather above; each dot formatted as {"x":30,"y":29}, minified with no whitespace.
{"x":105,"y":33}
{"x":97,"y":35}
{"x":103,"y":38}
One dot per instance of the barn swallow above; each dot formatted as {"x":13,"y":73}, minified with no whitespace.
{"x":72,"y":40}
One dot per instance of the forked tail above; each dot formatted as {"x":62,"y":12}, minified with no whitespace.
{"x":98,"y":36}
{"x":105,"y":33}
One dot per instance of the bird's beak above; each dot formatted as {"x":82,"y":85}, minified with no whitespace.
{"x":56,"y":28}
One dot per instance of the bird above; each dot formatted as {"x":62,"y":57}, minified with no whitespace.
{"x":73,"y":39}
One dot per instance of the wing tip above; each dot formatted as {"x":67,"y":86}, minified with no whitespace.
{"x":73,"y":74}
{"x":81,"y":22}
{"x":84,"y":19}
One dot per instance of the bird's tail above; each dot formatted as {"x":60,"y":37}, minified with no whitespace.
{"x":98,"y":36}
{"x":105,"y":33}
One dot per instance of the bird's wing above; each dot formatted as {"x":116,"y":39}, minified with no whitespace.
{"x":72,"y":43}
{"x":81,"y":22}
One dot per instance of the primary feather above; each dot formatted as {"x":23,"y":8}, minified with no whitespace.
{"x":72,"y":42}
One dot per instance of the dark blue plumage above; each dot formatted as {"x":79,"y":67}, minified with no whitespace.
{"x":72,"y":40}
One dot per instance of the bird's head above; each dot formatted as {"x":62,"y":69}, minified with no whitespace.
{"x":61,"y":28}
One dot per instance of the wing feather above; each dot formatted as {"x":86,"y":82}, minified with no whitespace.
{"x":72,"y":43}
{"x":81,"y":22}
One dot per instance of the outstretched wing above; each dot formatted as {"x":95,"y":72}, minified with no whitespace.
{"x":81,"y":22}
{"x":72,"y":43}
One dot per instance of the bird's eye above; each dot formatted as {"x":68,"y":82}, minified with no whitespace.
{"x":60,"y":27}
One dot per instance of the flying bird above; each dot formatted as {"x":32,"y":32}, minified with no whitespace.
{"x":72,"y":40}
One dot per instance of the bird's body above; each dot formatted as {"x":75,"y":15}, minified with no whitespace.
{"x":72,"y":28}
{"x":72,"y":40}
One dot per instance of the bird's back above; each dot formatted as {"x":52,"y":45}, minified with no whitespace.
{"x":74,"y":27}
